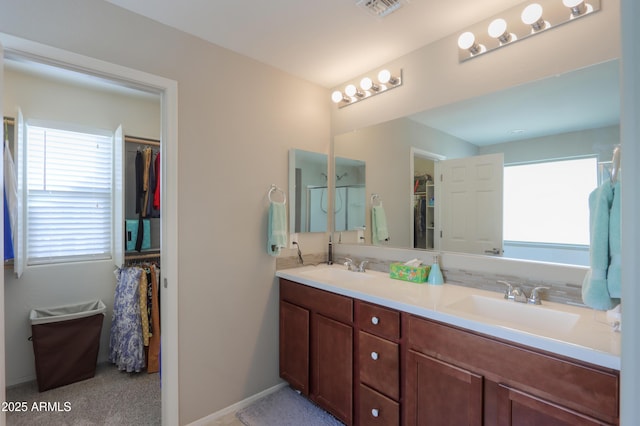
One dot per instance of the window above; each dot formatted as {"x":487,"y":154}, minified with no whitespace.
{"x":549,"y":202}
{"x":68,"y":195}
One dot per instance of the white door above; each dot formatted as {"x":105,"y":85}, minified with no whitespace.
{"x":471,"y":215}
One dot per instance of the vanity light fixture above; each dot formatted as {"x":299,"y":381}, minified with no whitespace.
{"x":387,"y":80}
{"x":520,"y":22}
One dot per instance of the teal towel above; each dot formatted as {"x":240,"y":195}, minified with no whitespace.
{"x":276,"y":228}
{"x":595,"y":292}
{"x":379,"y":231}
{"x":614,"y":279}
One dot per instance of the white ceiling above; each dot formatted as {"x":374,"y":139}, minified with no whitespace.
{"x":324,"y":41}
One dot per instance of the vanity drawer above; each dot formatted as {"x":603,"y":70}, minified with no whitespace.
{"x":377,"y":320}
{"x":330,"y":305}
{"x":379,"y":364}
{"x":377,"y":409}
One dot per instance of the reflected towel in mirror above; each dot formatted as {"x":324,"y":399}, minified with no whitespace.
{"x":379,"y":231}
{"x":595,"y":289}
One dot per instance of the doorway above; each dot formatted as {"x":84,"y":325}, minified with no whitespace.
{"x":166,"y":89}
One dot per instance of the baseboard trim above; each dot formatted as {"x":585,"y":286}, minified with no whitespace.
{"x":237,"y":406}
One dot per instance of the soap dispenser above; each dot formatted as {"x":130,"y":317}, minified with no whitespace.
{"x":330,"y":252}
{"x":435,"y":274}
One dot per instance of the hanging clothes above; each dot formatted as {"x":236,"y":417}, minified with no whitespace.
{"x":126,"y":348}
{"x":156,"y":194}
{"x":153,"y":358}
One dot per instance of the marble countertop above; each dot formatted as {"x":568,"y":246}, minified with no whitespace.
{"x":571,"y":331}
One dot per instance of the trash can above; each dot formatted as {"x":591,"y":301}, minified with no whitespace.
{"x":66,"y":340}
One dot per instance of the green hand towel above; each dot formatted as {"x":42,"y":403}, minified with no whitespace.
{"x":595,"y":292}
{"x":614,"y":279}
{"x":276,"y":228}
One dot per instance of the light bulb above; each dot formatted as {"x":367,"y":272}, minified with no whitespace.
{"x":497,"y":27}
{"x":466,"y":40}
{"x":532,"y":15}
{"x":384,"y":76}
{"x":337,"y":96}
{"x":350,"y":90}
{"x":366,"y":83}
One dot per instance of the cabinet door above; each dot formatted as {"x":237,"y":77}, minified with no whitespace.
{"x":332,"y":366}
{"x":294,"y":346}
{"x":517,"y":408}
{"x":441,"y":394}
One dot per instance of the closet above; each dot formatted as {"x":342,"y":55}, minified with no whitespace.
{"x":134,"y":343}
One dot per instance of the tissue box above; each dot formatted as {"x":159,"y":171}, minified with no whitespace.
{"x":415,"y":274}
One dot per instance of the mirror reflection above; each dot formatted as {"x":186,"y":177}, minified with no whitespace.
{"x":309,"y":194}
{"x":551,"y":122}
{"x":308,"y":191}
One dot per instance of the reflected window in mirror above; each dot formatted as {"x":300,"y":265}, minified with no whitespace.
{"x":545,"y":210}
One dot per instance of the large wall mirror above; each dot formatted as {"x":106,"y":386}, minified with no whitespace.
{"x":565,"y":121}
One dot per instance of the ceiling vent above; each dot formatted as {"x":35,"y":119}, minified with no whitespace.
{"x":380,"y":8}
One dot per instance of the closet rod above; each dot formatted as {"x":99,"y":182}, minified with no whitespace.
{"x":9,"y":120}
{"x":141,"y":256}
{"x":145,"y":141}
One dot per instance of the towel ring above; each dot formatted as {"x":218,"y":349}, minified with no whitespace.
{"x":375,"y":198}
{"x":275,"y":188}
{"x":615,"y":164}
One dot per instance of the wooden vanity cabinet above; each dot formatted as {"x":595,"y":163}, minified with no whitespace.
{"x":316,"y":346}
{"x":378,"y":367}
{"x":454,"y":376}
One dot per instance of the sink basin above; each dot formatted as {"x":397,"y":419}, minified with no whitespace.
{"x":335,"y":274}
{"x":509,"y":313}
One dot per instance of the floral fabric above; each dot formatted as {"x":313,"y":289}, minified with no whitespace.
{"x":126,"y":348}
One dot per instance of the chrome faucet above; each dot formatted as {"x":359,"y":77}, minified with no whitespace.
{"x":514,"y":293}
{"x":534,"y":299}
{"x":518,"y":295}
{"x":352,"y":267}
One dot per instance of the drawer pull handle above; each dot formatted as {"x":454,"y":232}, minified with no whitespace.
{"x":374,"y":355}
{"x":375,"y":412}
{"x":375,"y":320}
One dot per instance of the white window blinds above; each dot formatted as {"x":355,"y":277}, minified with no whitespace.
{"x":68,"y":195}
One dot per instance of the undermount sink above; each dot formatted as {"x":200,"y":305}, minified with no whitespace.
{"x":333,"y":274}
{"x":513,"y":313}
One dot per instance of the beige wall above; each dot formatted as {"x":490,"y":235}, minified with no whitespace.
{"x":237,"y":120}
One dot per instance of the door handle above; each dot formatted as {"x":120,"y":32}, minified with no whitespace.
{"x":494,"y":251}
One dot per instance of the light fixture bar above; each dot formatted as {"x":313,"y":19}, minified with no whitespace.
{"x":527,"y":19}
{"x":382,"y":81}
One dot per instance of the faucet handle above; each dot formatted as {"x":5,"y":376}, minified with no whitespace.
{"x":362,"y":266}
{"x":535,"y":295}
{"x":348,"y":262}
{"x":508,"y":293}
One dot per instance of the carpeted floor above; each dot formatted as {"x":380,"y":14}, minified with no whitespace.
{"x":111,"y":398}
{"x":285,"y":407}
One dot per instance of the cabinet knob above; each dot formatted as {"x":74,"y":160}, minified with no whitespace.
{"x":375,"y":412}
{"x":375,"y":320}
{"x":374,"y":355}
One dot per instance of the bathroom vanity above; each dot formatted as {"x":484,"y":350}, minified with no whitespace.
{"x":376,"y":351}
